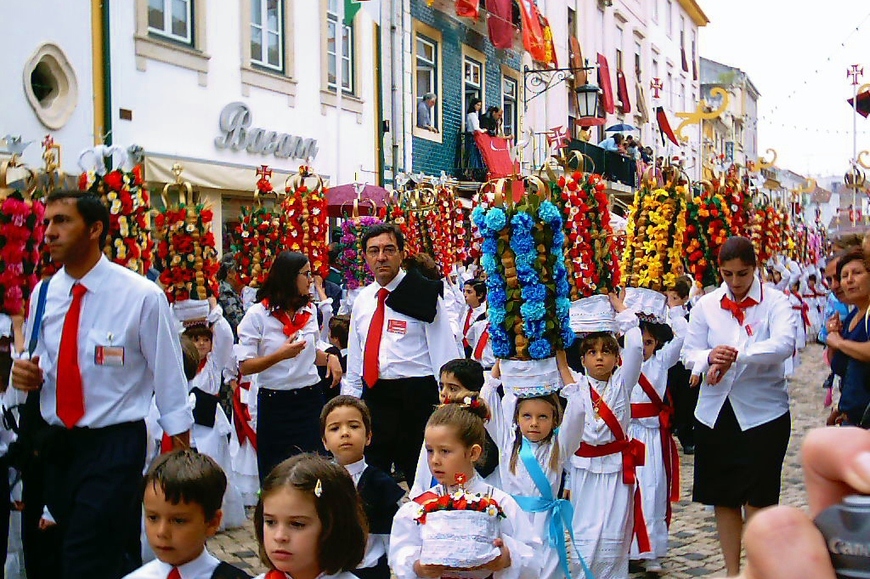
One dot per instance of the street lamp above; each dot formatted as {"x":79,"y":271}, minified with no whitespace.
{"x":588,"y":101}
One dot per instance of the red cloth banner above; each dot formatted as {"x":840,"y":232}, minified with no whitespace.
{"x":604,"y":83}
{"x":622,"y":87}
{"x":501,"y":28}
{"x":533,"y":35}
{"x":665,"y":126}
{"x":468,"y":8}
{"x":496,"y":152}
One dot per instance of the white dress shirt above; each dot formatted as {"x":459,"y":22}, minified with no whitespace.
{"x":261,"y":334}
{"x":475,"y":333}
{"x":121,"y":310}
{"x":200,"y":568}
{"x":469,"y":314}
{"x":755,"y":384}
{"x":409,"y":347}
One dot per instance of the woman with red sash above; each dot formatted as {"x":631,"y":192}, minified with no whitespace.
{"x":739,"y":339}
{"x":602,"y":474}
{"x":651,"y":421}
{"x":278,"y":343}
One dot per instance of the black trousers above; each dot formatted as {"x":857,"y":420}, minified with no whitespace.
{"x":93,"y":490}
{"x":685,"y":399}
{"x":400,"y":409}
{"x":288,"y":423}
{"x":5,"y":502}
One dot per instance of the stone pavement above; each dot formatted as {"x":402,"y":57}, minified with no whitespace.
{"x":694,"y":549}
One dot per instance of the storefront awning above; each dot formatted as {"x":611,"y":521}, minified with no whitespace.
{"x":210,"y":174}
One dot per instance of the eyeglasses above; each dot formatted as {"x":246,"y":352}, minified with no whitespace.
{"x":307,"y":274}
{"x":388,"y":251}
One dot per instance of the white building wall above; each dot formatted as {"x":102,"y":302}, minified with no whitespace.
{"x":67,"y":25}
{"x":174,"y":113}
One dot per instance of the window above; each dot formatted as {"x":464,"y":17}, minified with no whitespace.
{"x":572,"y":22}
{"x":509,"y":95}
{"x":267,"y":34}
{"x":347,"y":68}
{"x":655,"y":10}
{"x":670,"y":88}
{"x":427,"y":73}
{"x":171,"y":19}
{"x":472,"y":81}
{"x":619,"y":41}
{"x":669,"y":17}
{"x":637,"y":59}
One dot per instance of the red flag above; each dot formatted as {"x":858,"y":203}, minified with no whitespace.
{"x":501,"y":28}
{"x":622,"y":87}
{"x":863,"y":107}
{"x":549,"y":47}
{"x":604,"y":83}
{"x":665,"y":126}
{"x":468,"y":8}
{"x":533,"y":36}
{"x":685,"y":61}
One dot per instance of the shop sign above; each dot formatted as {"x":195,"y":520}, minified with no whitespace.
{"x":237,"y":134}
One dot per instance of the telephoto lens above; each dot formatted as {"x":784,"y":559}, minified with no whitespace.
{"x":846,"y":528}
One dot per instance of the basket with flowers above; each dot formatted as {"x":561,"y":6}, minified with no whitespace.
{"x":129,"y":240}
{"x":458,"y":529}
{"x":524,"y":260}
{"x":351,"y":258}
{"x":591,"y":260}
{"x":21,"y":235}
{"x":186,"y":244}
{"x":654,"y":236}
{"x":306,"y":218}
{"x":708,"y":226}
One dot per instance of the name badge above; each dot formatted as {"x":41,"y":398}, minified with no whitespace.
{"x":109,"y":356}
{"x":748,"y":330}
{"x":397,"y":327}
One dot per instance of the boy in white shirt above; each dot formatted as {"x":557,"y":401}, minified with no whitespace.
{"x":182,"y":504}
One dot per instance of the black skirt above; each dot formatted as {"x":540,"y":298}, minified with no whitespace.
{"x":735,"y":467}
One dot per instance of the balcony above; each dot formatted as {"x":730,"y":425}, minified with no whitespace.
{"x":609,"y":164}
{"x":464,"y":168}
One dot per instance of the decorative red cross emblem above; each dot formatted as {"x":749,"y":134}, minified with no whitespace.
{"x":264,"y":171}
{"x":856,"y":71}
{"x":48,"y":142}
{"x":558,"y":136}
{"x":656,"y":85}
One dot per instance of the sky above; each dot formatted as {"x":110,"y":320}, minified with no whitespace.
{"x":797,"y":55}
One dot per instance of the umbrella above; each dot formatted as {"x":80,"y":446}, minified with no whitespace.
{"x":340,"y":198}
{"x":620,"y":128}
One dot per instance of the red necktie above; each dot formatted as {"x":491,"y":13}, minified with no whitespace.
{"x":70,"y":395}
{"x":737,"y":309}
{"x":371,"y":364}
{"x":481,"y":345}
{"x":467,"y":325}
{"x":174,"y":574}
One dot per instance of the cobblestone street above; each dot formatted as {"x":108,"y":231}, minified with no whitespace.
{"x":694,"y":550}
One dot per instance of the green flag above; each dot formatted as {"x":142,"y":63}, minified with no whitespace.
{"x":351,"y":7}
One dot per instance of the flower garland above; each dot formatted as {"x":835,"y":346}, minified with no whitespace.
{"x":306,"y":220}
{"x":21,"y":235}
{"x":129,"y":240}
{"x":765,"y":229}
{"x":256,"y":241}
{"x":460,"y":500}
{"x":351,"y":258}
{"x":655,"y":234}
{"x":528,"y":288}
{"x":591,"y":261}
{"x":407,"y":221}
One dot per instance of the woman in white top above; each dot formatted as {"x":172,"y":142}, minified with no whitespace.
{"x":472,"y":127}
{"x":740,"y":337}
{"x":278,"y":342}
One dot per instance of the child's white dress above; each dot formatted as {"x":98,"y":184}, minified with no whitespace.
{"x":503,"y":430}
{"x":406,"y":538}
{"x":603,"y":501}
{"x":214,"y":441}
{"x":242,"y":440}
{"x":652,"y":476}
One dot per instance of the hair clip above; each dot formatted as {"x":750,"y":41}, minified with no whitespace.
{"x":318,"y":489}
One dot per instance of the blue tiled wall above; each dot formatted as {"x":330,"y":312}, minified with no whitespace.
{"x":431,"y":157}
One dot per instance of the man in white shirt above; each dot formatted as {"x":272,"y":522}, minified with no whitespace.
{"x":400,"y":336}
{"x":474,"y":292}
{"x":740,"y":336}
{"x":106,"y":343}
